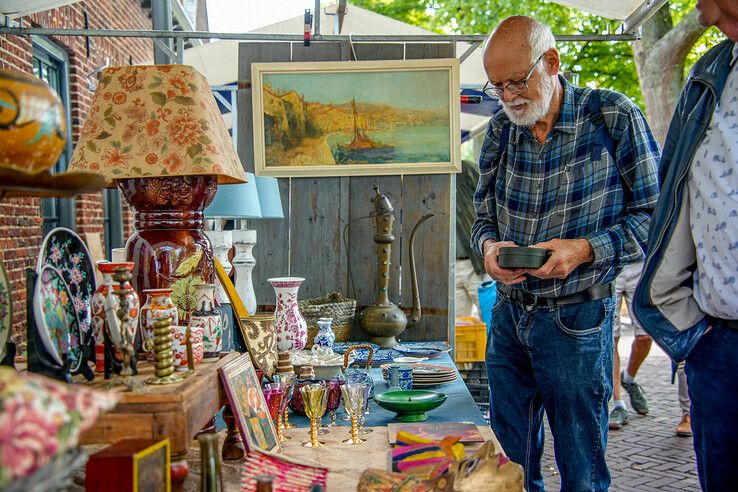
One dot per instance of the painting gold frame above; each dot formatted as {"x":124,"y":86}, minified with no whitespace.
{"x":412,"y":139}
{"x":248,"y":405}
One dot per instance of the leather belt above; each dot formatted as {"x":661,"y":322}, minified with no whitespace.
{"x":527,"y":299}
{"x":724,"y":323}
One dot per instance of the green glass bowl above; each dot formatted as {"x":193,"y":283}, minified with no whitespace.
{"x":410,"y":406}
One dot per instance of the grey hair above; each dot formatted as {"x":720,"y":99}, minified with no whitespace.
{"x":540,"y":39}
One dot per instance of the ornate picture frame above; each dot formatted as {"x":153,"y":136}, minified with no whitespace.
{"x":358,"y":118}
{"x":248,"y":405}
{"x":257,"y":331}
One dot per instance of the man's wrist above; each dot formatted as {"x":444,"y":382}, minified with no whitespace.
{"x":587,"y":251}
{"x":488,"y":247}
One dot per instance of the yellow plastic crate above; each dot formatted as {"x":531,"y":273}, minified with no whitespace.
{"x":471,"y":339}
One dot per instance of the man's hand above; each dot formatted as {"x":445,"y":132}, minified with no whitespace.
{"x":506,"y":276}
{"x":566,"y":255}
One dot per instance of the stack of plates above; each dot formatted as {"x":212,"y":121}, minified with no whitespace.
{"x":426,"y":375}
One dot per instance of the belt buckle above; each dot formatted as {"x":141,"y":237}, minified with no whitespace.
{"x":529,"y":301}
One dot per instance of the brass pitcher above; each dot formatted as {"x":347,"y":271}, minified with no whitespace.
{"x":383,"y":320}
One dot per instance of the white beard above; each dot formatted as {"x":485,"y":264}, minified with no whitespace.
{"x":533,"y":111}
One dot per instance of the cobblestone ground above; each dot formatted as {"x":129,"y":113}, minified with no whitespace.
{"x":645,"y":455}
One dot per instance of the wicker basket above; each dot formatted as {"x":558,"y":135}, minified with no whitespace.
{"x":333,"y":305}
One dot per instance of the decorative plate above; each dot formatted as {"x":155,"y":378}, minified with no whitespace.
{"x":431,"y":350}
{"x":56,"y":317}
{"x":66,"y":252}
{"x":6,"y":310}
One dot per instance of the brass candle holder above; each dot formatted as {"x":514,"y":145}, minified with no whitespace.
{"x":315,"y":399}
{"x":164,"y":368}
{"x":353,"y":401}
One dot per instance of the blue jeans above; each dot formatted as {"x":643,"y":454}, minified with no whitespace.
{"x":558,"y":359}
{"x":712,"y":377}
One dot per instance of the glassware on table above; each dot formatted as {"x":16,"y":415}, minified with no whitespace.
{"x":289,"y":379}
{"x":286,"y":389}
{"x":273,"y":395}
{"x":334,"y":401}
{"x":365,"y":410}
{"x":315,"y":400}
{"x":353,"y":402}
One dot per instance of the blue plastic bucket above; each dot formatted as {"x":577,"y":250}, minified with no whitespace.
{"x":487,"y":297}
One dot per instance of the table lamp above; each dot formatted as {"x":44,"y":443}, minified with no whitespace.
{"x":156,"y":133}
{"x":239,"y":201}
{"x":269,"y":198}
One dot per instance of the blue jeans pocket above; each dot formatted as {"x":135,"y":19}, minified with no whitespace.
{"x":583,"y":319}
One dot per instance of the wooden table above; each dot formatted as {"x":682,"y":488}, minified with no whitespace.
{"x":177,"y":411}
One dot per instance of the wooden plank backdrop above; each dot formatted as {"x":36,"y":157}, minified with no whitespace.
{"x":309,"y":243}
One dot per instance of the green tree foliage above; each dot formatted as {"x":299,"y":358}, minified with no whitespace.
{"x":599,"y":64}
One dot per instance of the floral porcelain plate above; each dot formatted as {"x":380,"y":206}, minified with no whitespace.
{"x":66,"y":252}
{"x":56,"y":317}
{"x":6,"y":310}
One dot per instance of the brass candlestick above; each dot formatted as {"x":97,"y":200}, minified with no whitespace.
{"x":164,"y":355}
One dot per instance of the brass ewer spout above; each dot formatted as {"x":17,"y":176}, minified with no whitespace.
{"x":384,"y":320}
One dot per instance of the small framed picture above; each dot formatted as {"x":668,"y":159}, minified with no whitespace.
{"x":138,"y":465}
{"x":248,"y":405}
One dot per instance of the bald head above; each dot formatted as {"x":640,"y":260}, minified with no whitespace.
{"x":518,"y":37}
{"x":523,"y":78}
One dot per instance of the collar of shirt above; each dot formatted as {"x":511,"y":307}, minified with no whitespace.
{"x":565,"y":122}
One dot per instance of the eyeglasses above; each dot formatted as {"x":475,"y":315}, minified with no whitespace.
{"x":516,"y":87}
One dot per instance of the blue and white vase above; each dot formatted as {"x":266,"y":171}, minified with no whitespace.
{"x":325,"y":337}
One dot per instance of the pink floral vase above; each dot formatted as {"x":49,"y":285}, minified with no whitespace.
{"x":103,"y":294}
{"x":207,"y":317}
{"x":289,"y":325}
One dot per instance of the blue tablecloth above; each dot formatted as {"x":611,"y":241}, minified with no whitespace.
{"x":459,"y":407}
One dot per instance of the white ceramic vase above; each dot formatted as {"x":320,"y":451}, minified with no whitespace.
{"x":289,"y":326}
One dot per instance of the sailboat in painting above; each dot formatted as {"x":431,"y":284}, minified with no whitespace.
{"x":362,"y":149}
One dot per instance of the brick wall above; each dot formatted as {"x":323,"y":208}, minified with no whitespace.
{"x":20,"y":218}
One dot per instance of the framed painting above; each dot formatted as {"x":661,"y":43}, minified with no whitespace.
{"x":356,"y":118}
{"x":248,"y":405}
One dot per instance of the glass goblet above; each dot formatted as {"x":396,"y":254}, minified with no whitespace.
{"x":334,"y":401}
{"x":315,"y":400}
{"x":365,"y":410}
{"x":273,"y":395}
{"x":353,"y":402}
{"x":289,"y":379}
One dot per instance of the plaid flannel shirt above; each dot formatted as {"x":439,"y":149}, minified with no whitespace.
{"x":563,"y":189}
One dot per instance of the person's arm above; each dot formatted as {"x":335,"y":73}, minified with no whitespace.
{"x":637,"y":155}
{"x":484,"y":227}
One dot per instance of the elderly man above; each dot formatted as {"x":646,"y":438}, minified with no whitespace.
{"x":688,"y":296}
{"x":571,"y":170}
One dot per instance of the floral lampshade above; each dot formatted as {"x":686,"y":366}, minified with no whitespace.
{"x":153,"y":121}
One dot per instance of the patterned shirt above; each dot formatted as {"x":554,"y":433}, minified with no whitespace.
{"x":568,"y":188}
{"x":713,"y":210}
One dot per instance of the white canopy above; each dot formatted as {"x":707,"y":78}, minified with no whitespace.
{"x":612,"y":9}
{"x":17,"y":8}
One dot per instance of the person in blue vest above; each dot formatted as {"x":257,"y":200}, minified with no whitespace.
{"x":688,"y":296}
{"x":571,"y":170}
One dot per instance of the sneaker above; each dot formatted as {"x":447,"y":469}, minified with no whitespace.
{"x":684,"y":428}
{"x":637,"y":400}
{"x":618,"y":418}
